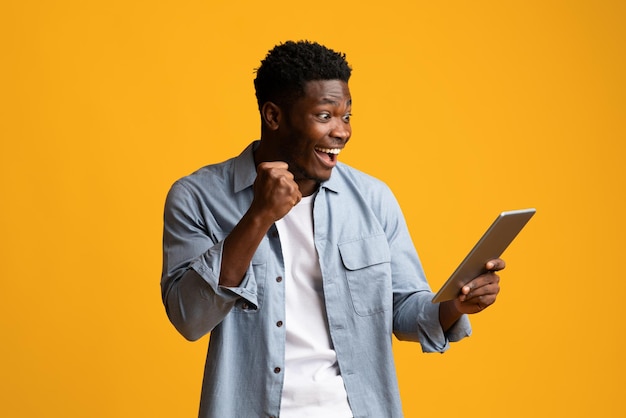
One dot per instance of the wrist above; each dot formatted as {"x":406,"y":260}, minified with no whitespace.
{"x":448,"y":314}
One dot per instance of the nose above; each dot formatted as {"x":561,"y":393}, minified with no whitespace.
{"x":341,"y":131}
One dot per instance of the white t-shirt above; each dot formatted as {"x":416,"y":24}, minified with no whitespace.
{"x":313,"y":387}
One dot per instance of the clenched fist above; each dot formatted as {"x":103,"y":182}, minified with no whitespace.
{"x":275,"y":191}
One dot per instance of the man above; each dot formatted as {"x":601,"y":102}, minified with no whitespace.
{"x":301,"y":267}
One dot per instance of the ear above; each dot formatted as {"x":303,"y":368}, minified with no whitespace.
{"x":271,"y":115}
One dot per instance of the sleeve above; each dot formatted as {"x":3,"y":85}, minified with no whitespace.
{"x":415,"y":317}
{"x":192,"y":253}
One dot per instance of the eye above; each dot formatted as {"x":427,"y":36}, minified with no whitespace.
{"x":346,"y":118}
{"x":324,"y":116}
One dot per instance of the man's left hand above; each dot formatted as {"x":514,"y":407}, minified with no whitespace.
{"x":482,"y":291}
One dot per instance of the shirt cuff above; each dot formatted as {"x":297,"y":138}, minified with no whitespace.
{"x":208,"y":267}
{"x":432,"y":337}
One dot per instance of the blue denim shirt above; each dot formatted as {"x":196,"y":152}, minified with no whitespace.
{"x":373,"y":281}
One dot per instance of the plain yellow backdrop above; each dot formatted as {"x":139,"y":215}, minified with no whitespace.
{"x":465,"y":108}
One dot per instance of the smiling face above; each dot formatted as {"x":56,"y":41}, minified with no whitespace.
{"x":310,"y":134}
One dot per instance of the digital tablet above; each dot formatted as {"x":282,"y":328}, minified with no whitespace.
{"x":492,"y":244}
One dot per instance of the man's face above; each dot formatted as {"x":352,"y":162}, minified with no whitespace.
{"x":315,"y":130}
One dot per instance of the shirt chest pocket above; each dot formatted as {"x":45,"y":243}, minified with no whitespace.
{"x":367,"y":264}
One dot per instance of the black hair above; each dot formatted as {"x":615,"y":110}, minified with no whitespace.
{"x":289,"y":66}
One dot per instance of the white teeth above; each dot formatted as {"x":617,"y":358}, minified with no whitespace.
{"x":329,"y":150}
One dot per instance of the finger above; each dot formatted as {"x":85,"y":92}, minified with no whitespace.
{"x":297,"y":198}
{"x":480,"y":304}
{"x":476,"y":304}
{"x":480,"y":281}
{"x":496,"y":264}
{"x":267,"y":165}
{"x":484,"y":284}
{"x":484,"y":291}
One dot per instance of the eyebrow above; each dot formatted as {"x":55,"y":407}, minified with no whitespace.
{"x":327,"y":100}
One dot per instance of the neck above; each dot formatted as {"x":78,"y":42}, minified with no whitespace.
{"x":307,"y":187}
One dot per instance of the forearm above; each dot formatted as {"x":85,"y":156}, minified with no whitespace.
{"x":448,"y":315}
{"x":211,"y":285}
{"x":239,"y":248}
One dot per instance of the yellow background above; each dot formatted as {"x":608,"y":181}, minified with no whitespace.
{"x":463,"y":108}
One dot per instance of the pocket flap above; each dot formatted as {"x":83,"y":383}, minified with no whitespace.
{"x":365,"y":252}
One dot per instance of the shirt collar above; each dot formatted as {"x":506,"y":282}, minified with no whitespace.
{"x":336,"y":181}
{"x":245,"y":169}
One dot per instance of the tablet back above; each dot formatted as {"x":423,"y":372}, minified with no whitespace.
{"x":492,"y":244}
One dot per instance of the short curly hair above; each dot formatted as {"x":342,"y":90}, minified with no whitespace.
{"x":289,"y":66}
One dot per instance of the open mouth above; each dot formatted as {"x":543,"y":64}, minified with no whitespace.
{"x":328,"y":154}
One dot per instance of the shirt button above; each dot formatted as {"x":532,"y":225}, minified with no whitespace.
{"x":279,"y":279}
{"x":279,"y":324}
{"x":276,"y":369}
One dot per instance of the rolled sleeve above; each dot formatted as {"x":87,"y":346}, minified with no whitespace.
{"x":421,"y":323}
{"x":430,"y":333}
{"x":208,"y":267}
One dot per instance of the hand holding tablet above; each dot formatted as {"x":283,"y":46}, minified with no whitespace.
{"x":492,"y":244}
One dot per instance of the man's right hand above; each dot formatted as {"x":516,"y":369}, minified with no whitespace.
{"x":275,"y":191}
